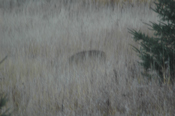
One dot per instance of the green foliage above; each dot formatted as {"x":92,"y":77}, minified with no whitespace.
{"x":3,"y":101}
{"x":158,"y":52}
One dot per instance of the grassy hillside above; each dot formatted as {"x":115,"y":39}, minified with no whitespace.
{"x":40,"y":38}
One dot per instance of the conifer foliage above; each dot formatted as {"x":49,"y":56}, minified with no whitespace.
{"x":3,"y":101}
{"x":158,"y":52}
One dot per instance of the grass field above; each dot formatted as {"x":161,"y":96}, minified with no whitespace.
{"x":40,"y":38}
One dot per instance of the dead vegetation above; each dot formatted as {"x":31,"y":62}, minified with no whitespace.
{"x":42,"y":37}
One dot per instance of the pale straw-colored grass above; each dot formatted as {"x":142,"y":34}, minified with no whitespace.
{"x":40,"y":37}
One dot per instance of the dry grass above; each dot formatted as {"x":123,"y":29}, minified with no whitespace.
{"x":39,"y":38}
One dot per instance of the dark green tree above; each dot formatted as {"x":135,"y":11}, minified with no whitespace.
{"x":3,"y":101}
{"x":158,"y":52}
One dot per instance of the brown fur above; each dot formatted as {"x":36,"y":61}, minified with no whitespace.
{"x":83,"y":56}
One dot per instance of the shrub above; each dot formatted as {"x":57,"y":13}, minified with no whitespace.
{"x":158,"y":52}
{"x":3,"y":101}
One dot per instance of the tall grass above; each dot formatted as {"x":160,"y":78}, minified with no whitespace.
{"x":40,"y":37}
